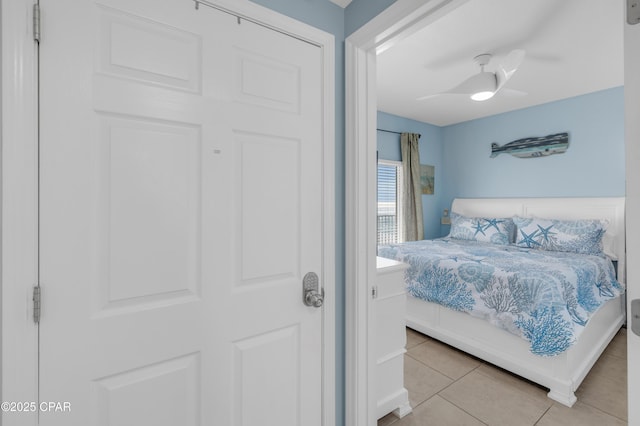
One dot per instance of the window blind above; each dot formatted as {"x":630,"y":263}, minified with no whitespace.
{"x":388,"y":203}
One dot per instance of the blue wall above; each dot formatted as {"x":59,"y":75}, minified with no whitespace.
{"x":431,"y":152}
{"x":359,"y":12}
{"x":593,"y":166}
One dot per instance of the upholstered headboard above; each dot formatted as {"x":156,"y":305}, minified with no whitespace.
{"x":606,"y":208}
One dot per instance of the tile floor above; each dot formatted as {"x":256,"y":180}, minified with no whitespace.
{"x":449,"y":387}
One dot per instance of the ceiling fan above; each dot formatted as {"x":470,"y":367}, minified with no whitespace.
{"x":485,"y":84}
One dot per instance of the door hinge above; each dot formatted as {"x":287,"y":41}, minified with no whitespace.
{"x":374,"y":292}
{"x":36,"y":22}
{"x":37,"y":301}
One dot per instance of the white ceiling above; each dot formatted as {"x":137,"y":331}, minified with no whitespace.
{"x":572,"y":47}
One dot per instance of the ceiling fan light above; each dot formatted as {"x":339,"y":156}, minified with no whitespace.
{"x":482,"y":96}
{"x":482,"y":86}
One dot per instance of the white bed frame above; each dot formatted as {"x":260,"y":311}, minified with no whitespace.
{"x":563,"y":373}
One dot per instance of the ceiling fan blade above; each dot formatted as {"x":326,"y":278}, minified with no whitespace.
{"x":509,"y":66}
{"x":435,"y":95}
{"x":471,"y":84}
{"x":482,"y":80}
{"x":460,"y":89}
{"x":424,"y":98}
{"x":512,"y":93}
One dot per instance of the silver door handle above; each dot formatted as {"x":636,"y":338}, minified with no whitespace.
{"x":312,"y":294}
{"x":313,"y":298}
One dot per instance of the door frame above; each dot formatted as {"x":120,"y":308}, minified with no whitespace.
{"x":398,"y":21}
{"x":632,"y":154}
{"x":395,"y":23}
{"x":19,"y":138}
{"x":19,"y":208}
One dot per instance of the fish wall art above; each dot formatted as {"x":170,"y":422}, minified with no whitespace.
{"x":533,"y":147}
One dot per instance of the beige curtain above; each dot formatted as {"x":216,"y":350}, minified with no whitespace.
{"x":413,"y":228}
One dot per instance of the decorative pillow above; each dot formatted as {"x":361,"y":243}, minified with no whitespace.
{"x":577,"y":236}
{"x":492,"y":230}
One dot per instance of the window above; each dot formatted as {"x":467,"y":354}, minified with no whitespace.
{"x":389,"y":202}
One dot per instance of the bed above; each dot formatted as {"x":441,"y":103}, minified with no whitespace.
{"x":561,"y":354}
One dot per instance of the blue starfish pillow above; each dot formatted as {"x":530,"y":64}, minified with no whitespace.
{"x":491,"y":230}
{"x":575,"y":236}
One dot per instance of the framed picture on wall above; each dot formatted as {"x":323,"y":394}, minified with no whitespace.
{"x":427,"y":178}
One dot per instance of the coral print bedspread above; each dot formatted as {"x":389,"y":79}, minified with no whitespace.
{"x":546,"y":297}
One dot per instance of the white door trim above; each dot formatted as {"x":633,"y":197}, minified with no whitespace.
{"x":19,"y":196}
{"x":396,"y":22}
{"x":19,"y":208}
{"x":632,"y":144}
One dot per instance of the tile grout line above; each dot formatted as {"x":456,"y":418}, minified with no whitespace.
{"x":481,"y":362}
{"x":606,"y":413}
{"x":453,"y":403}
{"x":453,"y":381}
{"x":476,"y":368}
{"x":543,"y":414}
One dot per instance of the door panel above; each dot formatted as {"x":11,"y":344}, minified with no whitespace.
{"x":181,"y":204}
{"x":266,"y":82}
{"x":255,"y":385}
{"x":149,"y":176}
{"x":133,"y":47}
{"x":164,"y":393}
{"x":269,"y":206}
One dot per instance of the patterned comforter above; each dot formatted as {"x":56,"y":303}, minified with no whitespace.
{"x":545,"y":297}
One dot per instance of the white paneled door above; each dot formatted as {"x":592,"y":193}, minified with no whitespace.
{"x":180,"y":208}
